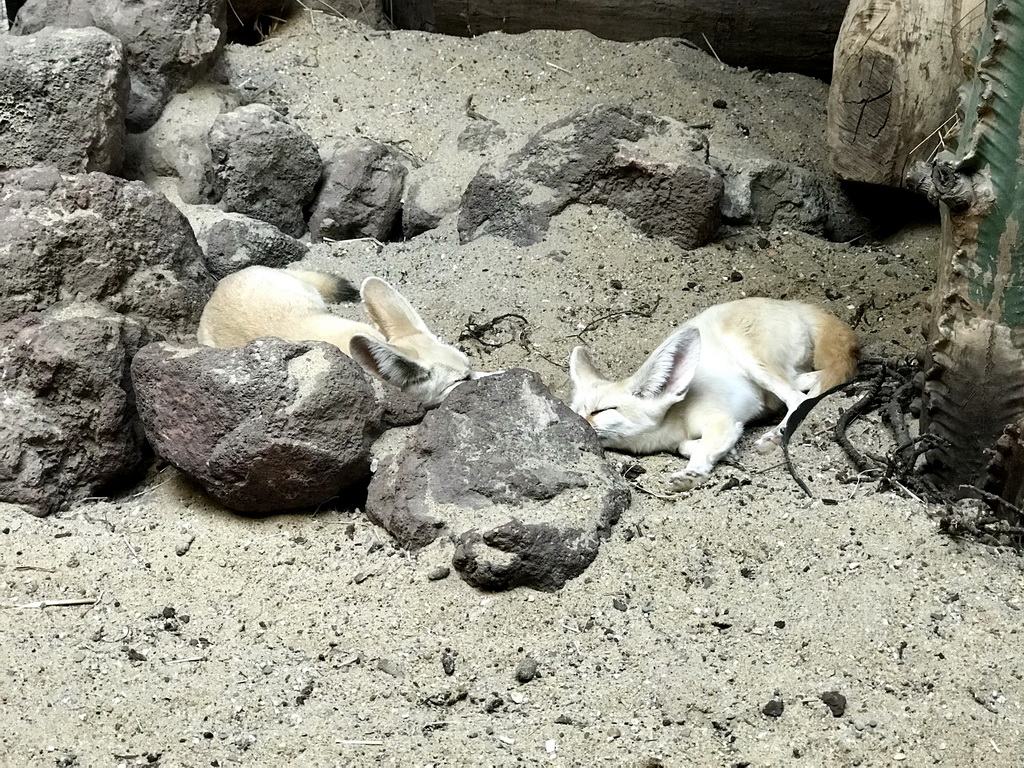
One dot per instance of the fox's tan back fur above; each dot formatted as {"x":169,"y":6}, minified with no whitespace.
{"x":290,"y":304}
{"x":729,"y":365}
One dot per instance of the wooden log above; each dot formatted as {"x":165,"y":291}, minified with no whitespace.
{"x":781,"y":35}
{"x":893,"y":99}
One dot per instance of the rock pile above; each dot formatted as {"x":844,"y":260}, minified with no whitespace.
{"x":102,"y":279}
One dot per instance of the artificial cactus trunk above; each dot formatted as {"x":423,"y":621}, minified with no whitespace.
{"x":973,"y":394}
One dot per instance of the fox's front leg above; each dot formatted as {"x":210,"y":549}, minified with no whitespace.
{"x":718,"y":437}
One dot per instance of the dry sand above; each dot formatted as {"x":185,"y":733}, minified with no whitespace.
{"x":310,"y":639}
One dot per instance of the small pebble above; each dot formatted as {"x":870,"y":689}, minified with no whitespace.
{"x":618,"y":604}
{"x":773,"y":708}
{"x":493,"y":704}
{"x":390,"y":667}
{"x":184,"y":545}
{"x":441,"y":572}
{"x":448,"y":661}
{"x":835,"y":701}
{"x":526,"y":670}
{"x":719,"y":104}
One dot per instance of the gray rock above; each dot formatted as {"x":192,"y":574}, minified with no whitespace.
{"x":232,"y":241}
{"x":655,"y":170}
{"x":361,"y":194}
{"x":434,"y":190}
{"x":62,"y":96}
{"x":508,"y":472}
{"x":176,"y":145}
{"x":770,"y":193}
{"x":96,"y":237}
{"x":274,"y":425}
{"x":263,"y":165}
{"x":169,"y":44}
{"x":68,"y":429}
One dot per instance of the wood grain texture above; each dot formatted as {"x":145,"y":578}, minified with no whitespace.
{"x":898,"y":66}
{"x":784,"y":35}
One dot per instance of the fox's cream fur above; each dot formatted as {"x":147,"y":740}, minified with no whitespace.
{"x":727,"y":366}
{"x":290,"y":304}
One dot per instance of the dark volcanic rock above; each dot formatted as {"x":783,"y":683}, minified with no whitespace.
{"x":274,"y":425}
{"x":169,"y":44}
{"x":68,"y":428}
{"x":507,"y":471}
{"x":655,"y":170}
{"x":263,"y":165}
{"x":361,"y":194}
{"x":96,"y":237}
{"x":232,"y":241}
{"x":62,"y":98}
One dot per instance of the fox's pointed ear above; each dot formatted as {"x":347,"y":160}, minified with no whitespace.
{"x":390,"y":310}
{"x":581,"y":368}
{"x":385,"y":362}
{"x":670,"y":368}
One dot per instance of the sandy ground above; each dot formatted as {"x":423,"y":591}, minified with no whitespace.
{"x":310,"y":639}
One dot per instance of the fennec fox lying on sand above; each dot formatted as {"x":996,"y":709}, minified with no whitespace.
{"x":290,"y":304}
{"x":727,"y":366}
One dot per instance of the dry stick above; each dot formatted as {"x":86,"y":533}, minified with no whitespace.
{"x":648,"y":314}
{"x":710,"y":46}
{"x":476,"y":330}
{"x":995,"y":499}
{"x":365,"y":742}
{"x":854,"y":411}
{"x":59,"y":603}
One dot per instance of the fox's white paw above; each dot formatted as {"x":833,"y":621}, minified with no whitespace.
{"x":685,"y":480}
{"x":768,"y":442}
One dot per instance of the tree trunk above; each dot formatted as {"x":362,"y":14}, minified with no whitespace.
{"x":973,"y":395}
{"x":898,"y":65}
{"x":782,"y":35}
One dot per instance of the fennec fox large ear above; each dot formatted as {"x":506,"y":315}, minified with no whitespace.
{"x":386,"y":362}
{"x":670,"y":368}
{"x":582,"y":370}
{"x":390,"y":310}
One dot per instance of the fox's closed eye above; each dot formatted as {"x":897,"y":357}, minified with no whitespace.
{"x":601,"y":410}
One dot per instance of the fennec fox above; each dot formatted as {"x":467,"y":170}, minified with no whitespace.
{"x":290,"y":304}
{"x":727,"y":366}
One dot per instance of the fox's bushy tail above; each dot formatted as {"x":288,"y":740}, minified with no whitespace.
{"x":332,"y":288}
{"x":836,"y":351}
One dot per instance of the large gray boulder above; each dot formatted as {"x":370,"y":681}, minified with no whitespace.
{"x":68,"y":428}
{"x":169,"y":44}
{"x":361,"y":193}
{"x":274,"y":425}
{"x":263,"y":165}
{"x":93,"y":236}
{"x":653,"y":169}
{"x":62,"y":100}
{"x":510,"y":474}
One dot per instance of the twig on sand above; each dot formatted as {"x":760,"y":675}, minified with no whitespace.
{"x":710,"y":47}
{"x":647,"y":312}
{"x":59,"y":603}
{"x":361,"y":742}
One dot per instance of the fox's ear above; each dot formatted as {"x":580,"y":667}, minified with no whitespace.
{"x":581,"y":368}
{"x":670,"y":368}
{"x":385,"y":362}
{"x":390,"y":310}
